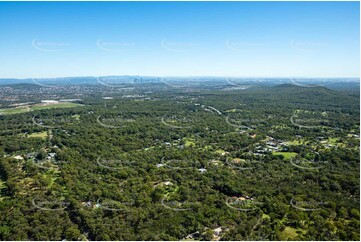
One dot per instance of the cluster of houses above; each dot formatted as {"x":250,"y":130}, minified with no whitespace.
{"x":18,"y":157}
{"x":201,"y":170}
{"x":193,"y":236}
{"x":242,"y":198}
{"x":60,"y":101}
{"x":217,"y":232}
{"x":273,"y":144}
{"x":270,"y":145}
{"x":90,"y":204}
{"x":175,"y":143}
{"x":32,"y":155}
{"x":50,"y":156}
{"x":166,"y":183}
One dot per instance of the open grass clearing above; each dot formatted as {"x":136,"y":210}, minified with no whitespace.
{"x":35,"y":107}
{"x":286,"y":155}
{"x":42,"y":135}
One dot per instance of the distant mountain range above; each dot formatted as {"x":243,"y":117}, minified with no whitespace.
{"x":332,"y":83}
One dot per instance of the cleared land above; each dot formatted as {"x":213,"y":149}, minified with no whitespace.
{"x":189,"y":142}
{"x":286,"y":155}
{"x":290,"y":233}
{"x":42,"y":135}
{"x":24,"y":109}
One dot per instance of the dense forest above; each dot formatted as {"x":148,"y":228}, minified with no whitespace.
{"x":264,"y":163}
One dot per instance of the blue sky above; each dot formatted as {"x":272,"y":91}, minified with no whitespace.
{"x":245,"y":39}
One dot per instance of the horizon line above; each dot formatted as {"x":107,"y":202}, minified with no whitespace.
{"x":170,"y":76}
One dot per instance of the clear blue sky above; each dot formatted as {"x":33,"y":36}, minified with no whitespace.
{"x":259,"y":39}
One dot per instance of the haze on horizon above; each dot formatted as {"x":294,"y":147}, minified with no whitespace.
{"x":240,"y":39}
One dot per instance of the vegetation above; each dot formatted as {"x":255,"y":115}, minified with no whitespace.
{"x":165,"y":166}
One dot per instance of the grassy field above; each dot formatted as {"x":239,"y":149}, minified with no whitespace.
{"x":290,"y":233}
{"x":333,"y":141}
{"x":286,"y":155}
{"x":76,"y":116}
{"x":10,"y":111}
{"x":189,"y":142}
{"x":59,"y":105}
{"x":24,"y":109}
{"x":42,"y":135}
{"x":207,"y":147}
{"x":2,"y":186}
{"x":219,"y":151}
{"x":295,"y":142}
{"x":233,"y":110}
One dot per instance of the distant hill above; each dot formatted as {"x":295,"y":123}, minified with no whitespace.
{"x":332,"y":84}
{"x":300,"y":87}
{"x":347,"y":86}
{"x":23,"y":86}
{"x":10,"y":81}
